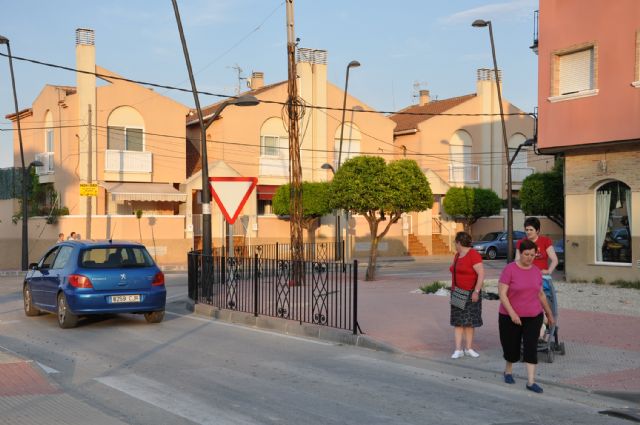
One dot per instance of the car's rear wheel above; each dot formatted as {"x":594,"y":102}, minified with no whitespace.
{"x":29,"y":309}
{"x":66,"y":319}
{"x":154,"y":316}
{"x":492,"y":253}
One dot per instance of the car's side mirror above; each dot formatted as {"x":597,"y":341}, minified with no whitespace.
{"x":33,"y":266}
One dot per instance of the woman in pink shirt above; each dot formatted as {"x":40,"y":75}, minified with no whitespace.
{"x":520,"y":315}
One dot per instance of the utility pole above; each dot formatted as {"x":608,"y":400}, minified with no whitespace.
{"x":295,"y":168}
{"x":89,"y":179}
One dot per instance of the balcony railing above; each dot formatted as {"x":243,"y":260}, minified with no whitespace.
{"x":464,"y":173}
{"x":534,"y":46}
{"x":128,"y":161}
{"x":47,"y":163}
{"x":518,"y":174}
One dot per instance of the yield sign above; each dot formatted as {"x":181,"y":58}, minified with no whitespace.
{"x":231,"y":193}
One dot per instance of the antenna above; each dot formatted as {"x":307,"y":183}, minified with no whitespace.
{"x":238,"y":70}
{"x":417,"y":86}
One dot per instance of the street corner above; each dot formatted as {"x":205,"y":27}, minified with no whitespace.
{"x":23,"y":378}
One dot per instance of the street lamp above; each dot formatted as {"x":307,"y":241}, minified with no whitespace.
{"x":25,"y":229}
{"x":352,"y":64}
{"x":479,"y":23}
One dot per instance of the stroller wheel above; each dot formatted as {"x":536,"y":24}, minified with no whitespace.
{"x":561,"y":349}
{"x":550,"y":355}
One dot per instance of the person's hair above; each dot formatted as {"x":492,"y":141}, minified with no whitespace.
{"x":463,"y":238}
{"x":533,"y":222}
{"x":60,"y":234}
{"x":526,"y":245}
{"x":72,"y":234}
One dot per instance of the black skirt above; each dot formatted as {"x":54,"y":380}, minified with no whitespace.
{"x":471,"y":316}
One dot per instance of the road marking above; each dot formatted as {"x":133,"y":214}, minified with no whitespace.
{"x":233,"y":325}
{"x":48,"y":370}
{"x":174,"y":401}
{"x":8,"y":322}
{"x":173,"y":297}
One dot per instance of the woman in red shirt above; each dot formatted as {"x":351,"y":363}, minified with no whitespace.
{"x":467,"y":273}
{"x":544,"y":251}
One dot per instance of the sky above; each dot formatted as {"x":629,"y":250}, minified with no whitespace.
{"x":403,"y":46}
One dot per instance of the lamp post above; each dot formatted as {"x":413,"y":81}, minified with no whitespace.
{"x":25,"y":229}
{"x":479,"y":23}
{"x":352,"y":64}
{"x":246,"y":100}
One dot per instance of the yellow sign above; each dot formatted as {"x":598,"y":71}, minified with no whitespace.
{"x":88,"y":189}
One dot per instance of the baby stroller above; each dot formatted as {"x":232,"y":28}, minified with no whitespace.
{"x":550,"y":344}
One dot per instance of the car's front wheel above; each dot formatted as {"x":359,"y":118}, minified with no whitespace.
{"x":492,"y":253}
{"x":154,"y":316}
{"x":66,"y":319}
{"x":29,"y":309}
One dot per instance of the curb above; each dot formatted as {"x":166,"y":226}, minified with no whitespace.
{"x":290,"y":327}
{"x":12,"y":273}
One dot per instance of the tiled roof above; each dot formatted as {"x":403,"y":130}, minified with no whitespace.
{"x":208,"y":110}
{"x":409,"y":121}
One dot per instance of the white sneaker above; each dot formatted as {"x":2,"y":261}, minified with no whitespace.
{"x":471,"y":353}
{"x":457,"y":354}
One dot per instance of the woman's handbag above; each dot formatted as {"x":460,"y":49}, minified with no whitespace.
{"x":459,"y":297}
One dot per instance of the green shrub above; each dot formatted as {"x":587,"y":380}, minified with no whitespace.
{"x":599,"y":281}
{"x":620,"y":283}
{"x":433,"y":287}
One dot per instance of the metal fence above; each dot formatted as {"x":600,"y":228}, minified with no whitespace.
{"x":318,"y":292}
{"x":321,"y":252}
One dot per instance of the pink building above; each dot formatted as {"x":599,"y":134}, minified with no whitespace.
{"x":589,"y":112}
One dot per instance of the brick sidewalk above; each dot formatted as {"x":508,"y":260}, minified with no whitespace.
{"x":603,"y":350}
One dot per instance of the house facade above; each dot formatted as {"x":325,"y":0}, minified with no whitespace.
{"x":459,"y":142}
{"x":253,"y":142}
{"x":589,"y":104}
{"x":126,"y":139}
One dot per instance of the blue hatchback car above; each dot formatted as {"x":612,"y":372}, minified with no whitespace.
{"x":77,"y":278}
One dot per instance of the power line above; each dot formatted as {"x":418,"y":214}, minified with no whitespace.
{"x":328,"y":108}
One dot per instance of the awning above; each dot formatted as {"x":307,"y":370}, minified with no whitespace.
{"x":266,"y":191}
{"x":144,"y":192}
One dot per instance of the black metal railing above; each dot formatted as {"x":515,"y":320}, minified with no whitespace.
{"x":323,"y":252}
{"x":318,"y":292}
{"x":536,"y":17}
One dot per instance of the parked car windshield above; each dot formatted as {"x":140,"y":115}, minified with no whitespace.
{"x":114,"y":257}
{"x":490,"y":237}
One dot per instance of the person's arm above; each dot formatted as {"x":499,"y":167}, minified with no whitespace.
{"x":546,"y":308}
{"x":551,"y":253}
{"x":479,"y":268}
{"x":504,"y":299}
{"x":517,"y":254}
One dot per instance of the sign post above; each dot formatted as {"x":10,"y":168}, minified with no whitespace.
{"x":231,"y":194}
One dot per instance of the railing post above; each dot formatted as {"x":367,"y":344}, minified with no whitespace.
{"x":255,"y":285}
{"x":355,"y":297}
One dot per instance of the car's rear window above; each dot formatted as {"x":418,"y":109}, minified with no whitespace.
{"x":114,"y":257}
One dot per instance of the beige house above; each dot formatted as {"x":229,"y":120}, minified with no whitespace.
{"x":127,"y":139}
{"x":253,"y":142}
{"x":458,"y":142}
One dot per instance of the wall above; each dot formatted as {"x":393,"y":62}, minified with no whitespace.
{"x":613,"y":113}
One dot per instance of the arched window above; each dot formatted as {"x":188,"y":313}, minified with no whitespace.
{"x":350,"y":143}
{"x":460,"y":167}
{"x":613,"y":231}
{"x":125,"y":130}
{"x":274,"y":140}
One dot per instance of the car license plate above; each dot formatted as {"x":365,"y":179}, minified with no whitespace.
{"x":125,"y":299}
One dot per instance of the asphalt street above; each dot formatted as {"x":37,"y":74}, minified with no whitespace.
{"x":191,"y":370}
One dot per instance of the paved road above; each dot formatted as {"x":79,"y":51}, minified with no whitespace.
{"x":190,"y":370}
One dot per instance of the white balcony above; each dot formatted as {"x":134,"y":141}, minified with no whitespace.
{"x":464,"y":173}
{"x":47,"y":163}
{"x":518,"y":174}
{"x":128,"y":161}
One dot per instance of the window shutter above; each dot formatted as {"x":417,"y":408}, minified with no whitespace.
{"x":115,"y":138}
{"x":134,"y":139}
{"x":576,"y":72}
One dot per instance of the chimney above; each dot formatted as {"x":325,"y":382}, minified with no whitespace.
{"x":257,"y":80}
{"x":424,"y":97}
{"x":486,"y":80}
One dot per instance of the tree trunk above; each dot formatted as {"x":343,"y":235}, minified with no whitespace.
{"x":373,"y":257}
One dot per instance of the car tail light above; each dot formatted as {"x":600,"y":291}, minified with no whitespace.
{"x":158,"y":279}
{"x":79,"y":281}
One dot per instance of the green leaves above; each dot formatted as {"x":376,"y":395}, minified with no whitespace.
{"x":315,"y":199}
{"x":470,"y":204}
{"x":543,"y":194}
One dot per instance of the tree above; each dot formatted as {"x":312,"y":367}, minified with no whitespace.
{"x":315,"y":204}
{"x":469,"y":204}
{"x":543,"y":194}
{"x":368,"y":186}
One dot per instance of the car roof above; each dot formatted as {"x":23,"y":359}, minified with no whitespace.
{"x":86,"y":243}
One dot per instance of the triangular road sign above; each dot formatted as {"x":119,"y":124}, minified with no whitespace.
{"x":231,"y":193}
